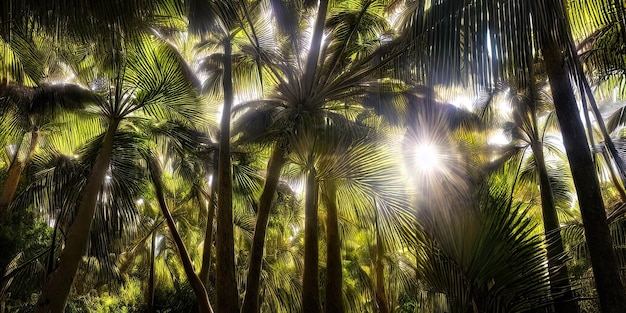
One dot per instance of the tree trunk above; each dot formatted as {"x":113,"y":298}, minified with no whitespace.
{"x":198,"y":288}
{"x":557,"y":268}
{"x":208,"y":235}
{"x":310,"y":277}
{"x":150,"y":291}
{"x":15,"y":173}
{"x":274,"y":167}
{"x":603,"y":261}
{"x":316,"y":45}
{"x":226,"y":285}
{"x":381,"y":297}
{"x":58,"y":284}
{"x":333,"y":302}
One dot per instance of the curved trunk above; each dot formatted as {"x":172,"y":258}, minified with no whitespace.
{"x":560,"y":288}
{"x":208,"y":235}
{"x":274,"y":166}
{"x":333,"y":302}
{"x":603,"y":261}
{"x":226,"y":285}
{"x":58,"y":284}
{"x":310,"y":277}
{"x":198,"y":288}
{"x":14,"y":175}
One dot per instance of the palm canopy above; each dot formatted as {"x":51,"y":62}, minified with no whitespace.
{"x":148,"y":79}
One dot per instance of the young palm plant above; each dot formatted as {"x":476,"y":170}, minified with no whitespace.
{"x":485,"y":258}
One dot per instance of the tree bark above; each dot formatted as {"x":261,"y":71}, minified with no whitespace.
{"x":310,"y":71}
{"x":310,"y":277}
{"x":15,"y":173}
{"x":603,"y":261}
{"x":381,"y":297}
{"x":274,"y":167}
{"x":226,"y":285}
{"x":560,"y":288}
{"x":333,"y":302}
{"x":58,"y":284}
{"x":208,"y":236}
{"x":150,"y":291}
{"x":198,"y":288}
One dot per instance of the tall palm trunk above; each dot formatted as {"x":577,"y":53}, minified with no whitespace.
{"x":150,"y":291}
{"x":316,"y":46}
{"x":226,"y":285}
{"x":603,"y":261}
{"x":333,"y":302}
{"x":57,"y":287}
{"x":559,"y":278}
{"x":274,"y":166}
{"x":208,"y":234}
{"x":15,"y":173}
{"x":198,"y":288}
{"x":381,"y":297}
{"x":560,"y":287}
{"x":310,"y":277}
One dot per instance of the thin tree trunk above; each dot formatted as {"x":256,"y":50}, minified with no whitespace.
{"x":310,"y":277}
{"x":557,"y":268}
{"x":198,"y":288}
{"x":604,"y":264}
{"x":150,"y":294}
{"x":208,"y":234}
{"x":333,"y":302}
{"x":381,"y":297}
{"x":274,"y":167}
{"x":560,"y":287}
{"x":316,"y":46}
{"x":15,"y":173}
{"x":58,"y":284}
{"x":226,"y":285}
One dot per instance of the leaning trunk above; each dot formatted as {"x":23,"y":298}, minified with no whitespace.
{"x":310,"y":277}
{"x":603,"y":261}
{"x":198,"y":288}
{"x":559,"y":278}
{"x":274,"y":166}
{"x":333,"y":302}
{"x":226,"y":285}
{"x":58,"y":284}
{"x":15,"y":173}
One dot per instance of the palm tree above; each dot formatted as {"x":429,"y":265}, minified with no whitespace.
{"x":610,"y":288}
{"x":32,"y":102}
{"x":332,"y":71}
{"x":495,"y":43}
{"x":194,"y":280}
{"x":151,"y":77}
{"x":229,"y":20}
{"x":528,"y":133}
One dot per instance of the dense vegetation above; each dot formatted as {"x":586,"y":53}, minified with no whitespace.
{"x":306,"y":156}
